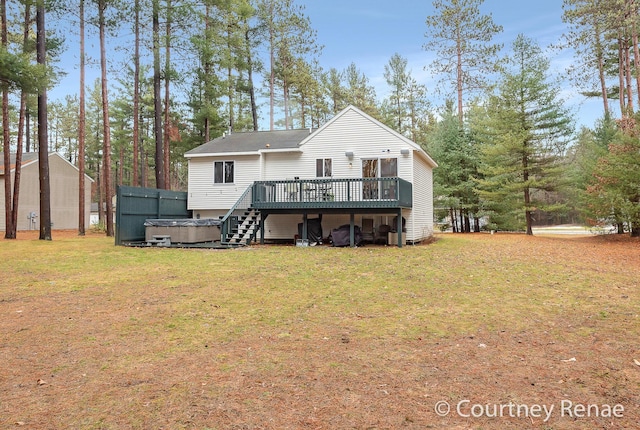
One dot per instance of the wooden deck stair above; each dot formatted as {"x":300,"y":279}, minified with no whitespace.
{"x":245,"y":231}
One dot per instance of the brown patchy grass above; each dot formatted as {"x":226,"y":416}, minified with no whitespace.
{"x":94,"y":336}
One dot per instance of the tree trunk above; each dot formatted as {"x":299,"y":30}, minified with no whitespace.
{"x":272,"y":72}
{"x":81,"y":130}
{"x":636,"y":49}
{"x":19,"y":147}
{"x":459,"y":80}
{"x":167,"y":119}
{"x":27,"y":129}
{"x":230,"y":83}
{"x":601,"y":71}
{"x":99,"y":196}
{"x":157,"y":100}
{"x":9,"y":232}
{"x":285,"y":95}
{"x":136,"y":94}
{"x":207,"y":72}
{"x":120,"y":166}
{"x":527,"y":212}
{"x":621,"y":77}
{"x":527,"y":194}
{"x":452,"y":216}
{"x":628,"y":79}
{"x":43,"y":149}
{"x":252,"y":91}
{"x":21,"y":120}
{"x":106,"y":139}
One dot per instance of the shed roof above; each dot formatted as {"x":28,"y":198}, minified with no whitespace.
{"x":27,"y":158}
{"x":252,"y":142}
{"x":32,"y":157}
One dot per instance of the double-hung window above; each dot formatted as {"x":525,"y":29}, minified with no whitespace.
{"x":223,"y":172}
{"x":323,"y":168}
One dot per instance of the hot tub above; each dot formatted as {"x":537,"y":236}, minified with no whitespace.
{"x":184,"y":230}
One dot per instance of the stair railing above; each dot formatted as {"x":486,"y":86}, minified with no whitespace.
{"x":244,"y":202}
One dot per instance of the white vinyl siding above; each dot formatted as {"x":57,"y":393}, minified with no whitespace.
{"x":421,"y":218}
{"x":205,"y":194}
{"x":351,"y":131}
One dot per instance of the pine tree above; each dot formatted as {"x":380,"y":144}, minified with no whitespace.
{"x":462,"y":39}
{"x":525,"y":133}
{"x":613,"y":194}
{"x":43,"y":150}
{"x":454,"y":192}
{"x":406,"y":109}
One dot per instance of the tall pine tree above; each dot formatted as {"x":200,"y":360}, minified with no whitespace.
{"x":525,"y":133}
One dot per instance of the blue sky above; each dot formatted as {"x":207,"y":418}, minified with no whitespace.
{"x":369,"y":32}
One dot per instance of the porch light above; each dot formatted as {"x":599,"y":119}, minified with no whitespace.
{"x":349,"y":154}
{"x":404,"y":151}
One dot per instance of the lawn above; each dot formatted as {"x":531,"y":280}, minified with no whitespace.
{"x":543,"y":332}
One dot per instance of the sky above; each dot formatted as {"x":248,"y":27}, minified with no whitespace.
{"x":369,"y":32}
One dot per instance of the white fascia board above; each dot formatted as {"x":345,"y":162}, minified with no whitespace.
{"x":268,"y":151}
{"x":221,"y":154}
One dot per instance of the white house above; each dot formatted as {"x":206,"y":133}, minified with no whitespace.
{"x":353,"y":169}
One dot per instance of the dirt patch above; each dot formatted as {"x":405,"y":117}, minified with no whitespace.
{"x":81,"y":359}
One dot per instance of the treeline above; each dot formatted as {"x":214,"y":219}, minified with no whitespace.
{"x":509,"y":154}
{"x":177,"y":73}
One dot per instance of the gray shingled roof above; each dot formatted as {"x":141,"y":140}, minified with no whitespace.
{"x":252,"y":142}
{"x":27,"y":157}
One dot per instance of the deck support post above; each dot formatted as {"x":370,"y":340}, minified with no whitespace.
{"x":352,"y":239}
{"x":263,"y":218}
{"x":305,"y":234}
{"x":399,"y":228}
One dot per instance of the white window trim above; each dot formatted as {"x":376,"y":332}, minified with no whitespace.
{"x":323,"y":161}
{"x":223,"y":176}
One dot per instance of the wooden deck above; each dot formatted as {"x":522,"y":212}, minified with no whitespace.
{"x":333,"y":195}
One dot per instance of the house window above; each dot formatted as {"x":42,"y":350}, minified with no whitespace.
{"x":388,"y":167}
{"x":323,"y":168}
{"x":223,"y":172}
{"x":379,"y":168}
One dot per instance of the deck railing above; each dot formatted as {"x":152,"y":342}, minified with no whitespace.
{"x":332,"y":193}
{"x":243,"y":203}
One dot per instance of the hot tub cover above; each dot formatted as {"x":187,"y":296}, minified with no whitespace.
{"x":182,"y":222}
